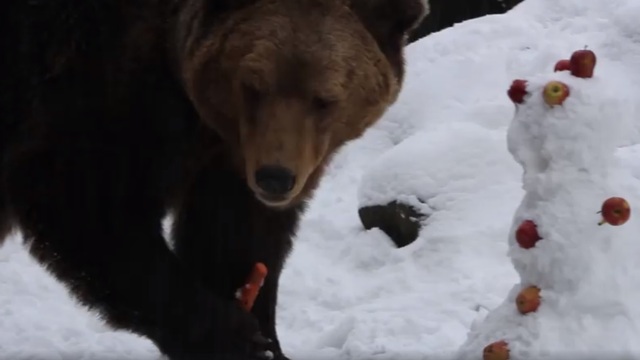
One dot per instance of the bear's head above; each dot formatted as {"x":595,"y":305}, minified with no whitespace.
{"x":287,"y":82}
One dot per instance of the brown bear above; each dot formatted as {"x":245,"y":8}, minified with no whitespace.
{"x":221,"y":113}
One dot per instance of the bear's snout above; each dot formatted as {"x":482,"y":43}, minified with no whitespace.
{"x":275,"y":180}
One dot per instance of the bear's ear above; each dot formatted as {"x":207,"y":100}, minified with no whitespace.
{"x":389,"y":21}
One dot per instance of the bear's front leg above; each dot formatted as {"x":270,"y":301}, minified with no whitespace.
{"x":221,"y":230}
{"x":264,"y":309}
{"x":92,"y":215}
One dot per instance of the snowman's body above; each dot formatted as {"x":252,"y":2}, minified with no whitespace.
{"x":588,"y":274}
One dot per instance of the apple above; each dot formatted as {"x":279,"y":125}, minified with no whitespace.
{"x":517,"y":91}
{"x":582,"y":63}
{"x":555,"y":92}
{"x":527,"y":234}
{"x":498,"y":350}
{"x":528,"y":300}
{"x":615,"y":211}
{"x":562,"y":65}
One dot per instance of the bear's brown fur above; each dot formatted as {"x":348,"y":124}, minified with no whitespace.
{"x":223,"y":112}
{"x":294,"y":80}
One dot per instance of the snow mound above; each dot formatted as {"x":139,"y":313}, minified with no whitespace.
{"x":585,"y":271}
{"x":429,"y":164}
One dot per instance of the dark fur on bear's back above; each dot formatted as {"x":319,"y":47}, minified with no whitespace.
{"x":100,"y":138}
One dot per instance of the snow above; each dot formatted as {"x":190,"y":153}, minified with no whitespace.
{"x":347,"y":293}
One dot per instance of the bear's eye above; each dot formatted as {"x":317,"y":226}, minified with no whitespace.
{"x":321,"y":104}
{"x":251,"y":95}
{"x":252,"y":99}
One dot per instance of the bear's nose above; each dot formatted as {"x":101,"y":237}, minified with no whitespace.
{"x":274,"y":179}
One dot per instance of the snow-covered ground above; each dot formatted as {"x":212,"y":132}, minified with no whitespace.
{"x":348,"y":293}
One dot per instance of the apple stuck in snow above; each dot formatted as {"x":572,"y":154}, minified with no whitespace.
{"x":527,"y":234}
{"x":498,"y":350}
{"x":582,"y":63}
{"x":562,"y":65}
{"x":555,"y":92}
{"x":615,"y":211}
{"x":528,"y":300}
{"x":517,"y":91}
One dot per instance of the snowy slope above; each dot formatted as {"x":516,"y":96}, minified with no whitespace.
{"x":347,"y":293}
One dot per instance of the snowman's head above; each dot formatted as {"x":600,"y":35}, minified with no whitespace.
{"x":566,"y":121}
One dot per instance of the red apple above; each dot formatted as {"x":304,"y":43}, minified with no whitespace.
{"x":528,"y":300}
{"x":527,"y":234}
{"x":582,"y":63}
{"x":615,"y":211}
{"x":562,"y":65}
{"x":555,"y":92}
{"x":517,"y":91}
{"x":498,"y":350}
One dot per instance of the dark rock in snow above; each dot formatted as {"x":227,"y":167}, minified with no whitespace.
{"x":401,"y":222}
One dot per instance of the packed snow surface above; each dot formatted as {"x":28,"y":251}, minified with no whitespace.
{"x":347,"y":293}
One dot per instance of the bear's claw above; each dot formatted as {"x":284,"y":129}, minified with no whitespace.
{"x":261,"y":340}
{"x":263,"y":343}
{"x":260,"y":347}
{"x":265,"y":355}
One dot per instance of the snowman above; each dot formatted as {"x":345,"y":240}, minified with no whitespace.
{"x":573,"y":241}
